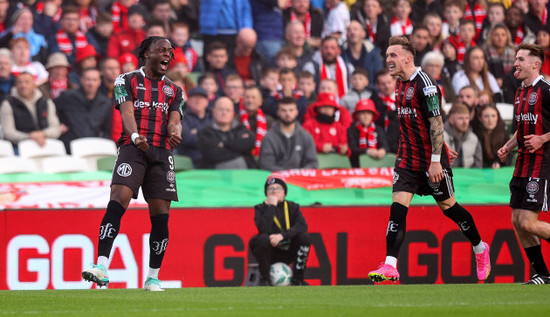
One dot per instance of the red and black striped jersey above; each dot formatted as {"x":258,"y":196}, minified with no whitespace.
{"x":532,"y":115}
{"x":418,"y":99}
{"x":153,"y":102}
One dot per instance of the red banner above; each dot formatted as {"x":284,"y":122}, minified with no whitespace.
{"x":209,"y":247}
{"x":313,"y":179}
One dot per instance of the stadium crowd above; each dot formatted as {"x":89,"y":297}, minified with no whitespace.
{"x":269,"y":83}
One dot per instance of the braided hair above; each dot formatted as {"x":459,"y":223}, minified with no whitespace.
{"x":146,"y":44}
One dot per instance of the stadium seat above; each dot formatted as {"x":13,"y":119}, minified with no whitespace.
{"x":182,"y":163}
{"x":106,"y":163}
{"x":6,"y":149}
{"x":92,"y":149}
{"x":366,"y":161}
{"x":506,"y":111}
{"x":333,"y":160}
{"x":16,"y":164}
{"x":64,"y":164}
{"x":31,"y":150}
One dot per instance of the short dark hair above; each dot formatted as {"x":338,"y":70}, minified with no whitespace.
{"x":68,"y":10}
{"x":420,"y":27}
{"x":268,"y":70}
{"x":380,"y":73}
{"x":360,"y":71}
{"x":287,"y":101}
{"x":207,"y":75}
{"x":286,"y":71}
{"x":216,"y":45}
{"x":286,"y":51}
{"x":307,"y":75}
{"x":328,"y":38}
{"x":403,"y":41}
{"x":467,"y":21}
{"x":534,"y":50}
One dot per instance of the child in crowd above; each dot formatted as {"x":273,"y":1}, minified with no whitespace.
{"x":452,"y":12}
{"x":464,"y":40}
{"x":306,"y":84}
{"x":119,"y":12}
{"x":209,"y":83}
{"x":286,"y":58}
{"x":217,"y":58}
{"x":401,"y":24}
{"x":180,"y":37}
{"x":128,"y":62}
{"x":434,"y":24}
{"x":358,"y":91}
{"x":364,"y":136}
{"x":496,"y":13}
{"x":329,"y":134}
{"x":288,"y":81}
{"x":342,"y":114}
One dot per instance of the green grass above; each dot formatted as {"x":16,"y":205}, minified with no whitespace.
{"x":389,"y":300}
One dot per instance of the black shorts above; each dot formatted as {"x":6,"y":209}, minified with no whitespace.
{"x":419,"y":183}
{"x":529,"y":193}
{"x":152,"y":170}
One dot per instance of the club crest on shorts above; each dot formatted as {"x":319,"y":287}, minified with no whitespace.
{"x":124,"y":170}
{"x":532,"y":187}
{"x":168,"y":91}
{"x":395,"y":177}
{"x":410,"y":93}
{"x":171,"y":177}
{"x":432,"y":184}
{"x":532,"y":98}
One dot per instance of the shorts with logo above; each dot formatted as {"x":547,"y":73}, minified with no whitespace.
{"x":153,"y":170}
{"x":419,"y":183}
{"x":529,"y":193}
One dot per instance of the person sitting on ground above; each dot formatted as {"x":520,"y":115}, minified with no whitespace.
{"x":282,"y":232}
{"x":364,"y":136}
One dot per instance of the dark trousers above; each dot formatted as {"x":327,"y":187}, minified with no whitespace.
{"x":266,"y":254}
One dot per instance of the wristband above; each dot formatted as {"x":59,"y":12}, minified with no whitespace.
{"x":134,"y":136}
{"x":436,"y":157}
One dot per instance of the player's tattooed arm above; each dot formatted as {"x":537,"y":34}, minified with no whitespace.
{"x":436,"y":134}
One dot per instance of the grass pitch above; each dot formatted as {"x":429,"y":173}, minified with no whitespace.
{"x":389,"y":300}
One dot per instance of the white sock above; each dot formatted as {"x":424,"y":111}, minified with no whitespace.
{"x":480,"y":248}
{"x":391,"y":260}
{"x":103,"y":260}
{"x":153,"y":273}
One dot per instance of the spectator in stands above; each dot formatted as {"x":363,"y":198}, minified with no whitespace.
{"x":217,"y":57}
{"x":500,"y":52}
{"x":6,"y":77}
{"x":119,"y":13}
{"x":69,"y":38}
{"x":282,"y":233}
{"x":178,"y":74}
{"x":128,"y":62}
{"x":20,"y":51}
{"x":342,"y":114}
{"x":287,"y":145}
{"x":361,"y":53}
{"x":475,"y":10}
{"x":464,"y":40}
{"x":537,"y":17}
{"x":84,"y":112}
{"x":453,"y":11}
{"x":285,"y":58}
{"x":180,"y":37}
{"x":469,"y":97}
{"x":401,"y":24}
{"x":295,"y":36}
{"x":451,"y":65}
{"x":155,"y":28}
{"x":196,"y":117}
{"x":187,"y":11}
{"x":329,"y":135}
{"x":22,"y":26}
{"x":208,"y":82}
{"x":5,"y":14}
{"x":434,"y":24}
{"x":162,"y":11}
{"x":328,"y":64}
{"x":88,"y":13}
{"x":432,"y":64}
{"x":253,"y":117}
{"x":234,"y":90}
{"x":110,"y":69}
{"x":496,"y":14}
{"x":86,"y":57}
{"x":476,"y":73}
{"x":128,"y":39}
{"x":226,"y":144}
{"x":27,"y":114}
{"x":543,"y":39}
{"x":306,"y":84}
{"x":364,"y":136}
{"x":46,"y":17}
{"x":423,"y":8}
{"x":220,"y":20}
{"x":102,"y":32}
{"x":246,"y":59}
{"x":386,"y":92}
{"x":460,"y":138}
{"x":337,"y":20}
{"x":267,"y":19}
{"x":516,"y":25}
{"x":58,"y":81}
{"x":420,"y":40}
{"x":373,"y":19}
{"x":359,"y":89}
{"x":309,"y":17}
{"x":491,"y":132}
{"x":288,"y":82}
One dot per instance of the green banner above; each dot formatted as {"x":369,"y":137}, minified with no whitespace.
{"x":238,"y":188}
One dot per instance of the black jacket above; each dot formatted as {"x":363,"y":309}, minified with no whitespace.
{"x":353,"y":142}
{"x":217,"y":146}
{"x":263,"y":218}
